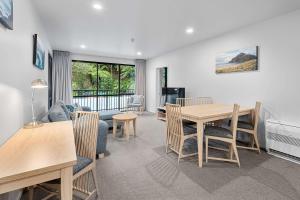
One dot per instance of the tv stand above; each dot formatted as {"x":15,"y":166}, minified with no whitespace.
{"x":161,"y":113}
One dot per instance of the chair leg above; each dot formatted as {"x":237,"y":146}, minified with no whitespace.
{"x":30,"y":193}
{"x":230,"y":151}
{"x":236,"y":154}
{"x":180,"y":149}
{"x":256,"y":142}
{"x":206,"y":149}
{"x":96,"y":182}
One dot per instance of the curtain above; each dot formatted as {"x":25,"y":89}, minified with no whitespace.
{"x":62,"y":77}
{"x":140,"y":78}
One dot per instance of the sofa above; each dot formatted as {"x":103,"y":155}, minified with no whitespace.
{"x":62,"y":112}
{"x":107,"y":116}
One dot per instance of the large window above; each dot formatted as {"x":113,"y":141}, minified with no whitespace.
{"x":102,"y":86}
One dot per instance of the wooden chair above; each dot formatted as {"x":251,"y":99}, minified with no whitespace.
{"x":85,"y":134}
{"x":226,"y":136}
{"x":176,"y":132}
{"x":250,"y":127}
{"x":191,"y":102}
{"x":194,"y":101}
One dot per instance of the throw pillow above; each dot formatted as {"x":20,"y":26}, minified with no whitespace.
{"x":57,"y":114}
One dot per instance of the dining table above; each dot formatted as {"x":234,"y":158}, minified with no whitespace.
{"x":204,"y":113}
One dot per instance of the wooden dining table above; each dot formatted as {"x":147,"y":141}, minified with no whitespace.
{"x":34,"y":156}
{"x":204,"y":113}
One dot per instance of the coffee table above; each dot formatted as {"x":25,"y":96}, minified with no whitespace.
{"x":126,"y":118}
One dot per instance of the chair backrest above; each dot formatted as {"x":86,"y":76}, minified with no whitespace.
{"x":85,"y":133}
{"x":255,"y":115}
{"x":136,"y":99}
{"x":174,"y":125}
{"x":234,"y":120}
{"x":194,"y":101}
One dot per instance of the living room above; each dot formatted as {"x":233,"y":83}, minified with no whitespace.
{"x":135,"y":74}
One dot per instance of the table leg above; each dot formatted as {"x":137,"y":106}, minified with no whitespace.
{"x":200,"y":142}
{"x":134,"y":127}
{"x":127,"y":129}
{"x":114,"y":128}
{"x":67,"y":183}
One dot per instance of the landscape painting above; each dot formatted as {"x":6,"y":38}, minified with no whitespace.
{"x":240,"y":60}
{"x":6,"y":13}
{"x":38,"y":53}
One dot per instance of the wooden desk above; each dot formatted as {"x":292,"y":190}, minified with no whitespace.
{"x":207,"y":113}
{"x":33,"y":156}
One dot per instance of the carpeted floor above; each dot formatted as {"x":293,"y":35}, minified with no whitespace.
{"x":141,"y":170}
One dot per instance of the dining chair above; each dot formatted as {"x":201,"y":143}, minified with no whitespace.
{"x":194,"y":101}
{"x":177,"y":134}
{"x":191,"y":101}
{"x":227,"y":136}
{"x":84,"y":172}
{"x":250,"y":127}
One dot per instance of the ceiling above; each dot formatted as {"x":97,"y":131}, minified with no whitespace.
{"x":157,"y":26}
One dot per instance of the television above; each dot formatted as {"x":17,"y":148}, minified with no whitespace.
{"x":171,"y":94}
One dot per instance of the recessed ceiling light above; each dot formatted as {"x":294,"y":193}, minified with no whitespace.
{"x":139,"y":53}
{"x":82,"y":46}
{"x":189,"y":30}
{"x":97,"y":6}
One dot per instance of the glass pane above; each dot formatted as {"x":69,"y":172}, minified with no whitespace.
{"x":127,"y":84}
{"x":84,"y":84}
{"x":108,"y":87}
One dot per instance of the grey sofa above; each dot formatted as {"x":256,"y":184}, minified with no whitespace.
{"x":107,"y":116}
{"x":62,"y":112}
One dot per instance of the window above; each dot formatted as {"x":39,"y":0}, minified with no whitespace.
{"x":102,"y":86}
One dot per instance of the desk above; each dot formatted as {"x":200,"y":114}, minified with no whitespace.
{"x":207,"y":113}
{"x":34,"y":156}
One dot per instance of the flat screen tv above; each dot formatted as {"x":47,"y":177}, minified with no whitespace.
{"x":171,"y":94}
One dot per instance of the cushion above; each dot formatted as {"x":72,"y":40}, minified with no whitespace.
{"x":217,"y":131}
{"x":82,"y":162}
{"x":71,"y":108}
{"x":107,"y":115}
{"x":188,"y":123}
{"x":57,"y":114}
{"x":137,"y":100}
{"x":187,"y":130}
{"x":45,"y":119}
{"x":63,"y":106}
{"x":245,"y":125}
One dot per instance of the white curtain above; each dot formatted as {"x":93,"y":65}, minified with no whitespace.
{"x":140,"y":77}
{"x":62,"y":77}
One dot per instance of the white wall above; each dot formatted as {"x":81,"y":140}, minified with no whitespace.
{"x":17,"y":70}
{"x":102,"y":59}
{"x":276,"y":84}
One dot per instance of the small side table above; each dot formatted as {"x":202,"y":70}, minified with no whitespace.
{"x":126,"y":118}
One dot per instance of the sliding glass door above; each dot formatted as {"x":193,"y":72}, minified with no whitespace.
{"x":102,"y":86}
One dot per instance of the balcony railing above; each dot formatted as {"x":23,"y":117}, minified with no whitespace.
{"x":99,"y":100}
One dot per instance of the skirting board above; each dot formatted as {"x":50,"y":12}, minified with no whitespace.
{"x":282,"y":156}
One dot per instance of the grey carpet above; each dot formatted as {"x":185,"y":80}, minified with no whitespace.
{"x":140,"y":169}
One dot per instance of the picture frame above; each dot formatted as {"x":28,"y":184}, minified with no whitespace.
{"x":240,"y":60}
{"x":7,"y":13}
{"x":38,"y":53}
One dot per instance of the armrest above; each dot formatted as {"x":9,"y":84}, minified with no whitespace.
{"x":86,"y":108}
